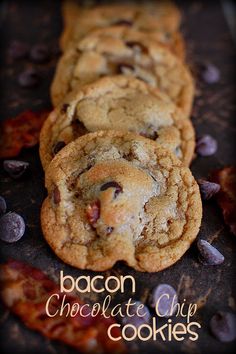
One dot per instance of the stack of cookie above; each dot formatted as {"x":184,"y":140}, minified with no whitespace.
{"x":117,"y":146}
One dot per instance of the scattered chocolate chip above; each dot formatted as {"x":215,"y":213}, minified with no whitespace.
{"x":18,"y":50}
{"x":79,"y":128}
{"x":57,"y":147}
{"x":12,"y":227}
{"x":144,"y":314}
{"x":209,"y":255}
{"x":109,"y":230}
{"x":28,"y":78}
{"x":93,"y":212}
{"x":154,"y":135}
{"x":122,"y":22}
{"x":136,"y":44}
{"x":112,"y":184}
{"x":56,"y":195}
{"x":208,"y":189}
{"x":210,"y":74}
{"x":3,"y":206}
{"x":124,"y":68}
{"x":163,"y":297}
{"x":15,"y":168}
{"x":39,"y":53}
{"x":206,"y":145}
{"x":223,"y":326}
{"x":64,"y":108}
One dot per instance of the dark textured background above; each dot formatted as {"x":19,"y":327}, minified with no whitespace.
{"x":208,"y":40}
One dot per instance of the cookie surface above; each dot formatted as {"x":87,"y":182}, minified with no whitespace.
{"x":162,"y":16}
{"x":118,"y":103}
{"x":115,"y":196}
{"x":121,"y":50}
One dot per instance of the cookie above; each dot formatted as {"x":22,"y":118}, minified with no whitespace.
{"x":120,"y":50}
{"x":162,"y":16}
{"x":118,"y":102}
{"x":115,"y":196}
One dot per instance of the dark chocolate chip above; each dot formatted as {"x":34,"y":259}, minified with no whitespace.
{"x":136,"y":44}
{"x":79,"y":128}
{"x":163,"y":298}
{"x":15,"y":168}
{"x":3,"y":206}
{"x":223,"y":326}
{"x":28,"y":78}
{"x":56,"y":195}
{"x":57,"y":147}
{"x":18,"y":50}
{"x":112,"y":184}
{"x":206,"y":145}
{"x":64,"y":108}
{"x":209,"y":255}
{"x":122,"y":22}
{"x":210,"y":74}
{"x":109,"y":230}
{"x":12,"y":227}
{"x":123,"y":66}
{"x":39,"y":53}
{"x":208,"y":189}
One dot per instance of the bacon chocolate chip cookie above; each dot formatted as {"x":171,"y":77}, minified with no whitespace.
{"x":116,"y":196}
{"x":120,"y":103}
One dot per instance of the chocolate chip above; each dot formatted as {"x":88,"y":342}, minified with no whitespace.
{"x":136,"y":44}
{"x":210,"y":74}
{"x":39,"y":53}
{"x":18,"y":50}
{"x":122,"y":22}
{"x":56,"y":195}
{"x":163,"y":297}
{"x":28,"y":78}
{"x":93,"y":212}
{"x":57,"y":147}
{"x":64,"y":108}
{"x":3,"y":206}
{"x":209,"y":255}
{"x":109,"y":230}
{"x":143,"y":316}
{"x":79,"y":128}
{"x":154,"y":135}
{"x":112,"y":184}
{"x":15,"y":168}
{"x":223,"y":326}
{"x":124,"y":68}
{"x":12,"y":227}
{"x":206,"y":145}
{"x":208,"y":189}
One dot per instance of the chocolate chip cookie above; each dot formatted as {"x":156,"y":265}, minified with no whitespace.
{"x":151,"y":17}
{"x":118,"y":102}
{"x":115,"y":196}
{"x":121,"y":50}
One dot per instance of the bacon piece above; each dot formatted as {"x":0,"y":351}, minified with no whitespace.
{"x":93,"y":212}
{"x":25,"y":291}
{"x":226,"y":197}
{"x":21,"y":131}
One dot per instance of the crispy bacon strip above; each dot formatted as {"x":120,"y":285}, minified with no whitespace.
{"x":19,"y":132}
{"x":226,"y":197}
{"x":25,"y":291}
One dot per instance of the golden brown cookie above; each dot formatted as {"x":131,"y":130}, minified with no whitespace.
{"x":149,"y":17}
{"x":123,"y":51}
{"x":118,"y":102}
{"x":115,"y":196}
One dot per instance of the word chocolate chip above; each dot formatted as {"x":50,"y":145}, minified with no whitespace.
{"x":209,"y":255}
{"x":12,"y":227}
{"x":137,"y":307}
{"x":208,"y":189}
{"x":164,"y":297}
{"x":223,"y":326}
{"x":15,"y":168}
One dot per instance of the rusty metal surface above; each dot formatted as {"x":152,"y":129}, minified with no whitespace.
{"x":213,"y":288}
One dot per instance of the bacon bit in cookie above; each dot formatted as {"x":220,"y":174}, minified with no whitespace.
{"x":26,"y":290}
{"x":93,"y":212}
{"x":112,"y":184}
{"x":226,"y":197}
{"x":208,"y":189}
{"x":20,"y":132}
{"x":57,"y":147}
{"x":56,"y":195}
